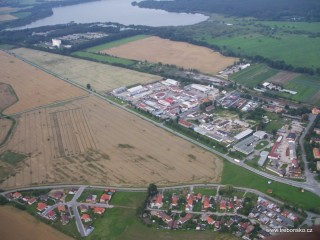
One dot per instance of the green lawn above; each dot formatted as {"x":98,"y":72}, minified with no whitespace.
{"x":237,"y":176}
{"x":261,"y":145}
{"x":129,"y":199}
{"x":103,"y":58}
{"x":12,"y":157}
{"x":206,"y":191}
{"x":308,"y":88}
{"x":254,"y":75}
{"x":278,"y":47}
{"x":115,"y":43}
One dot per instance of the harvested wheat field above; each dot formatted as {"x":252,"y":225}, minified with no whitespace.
{"x":100,"y":76}
{"x":7,"y":96}
{"x":5,"y":125}
{"x":155,"y":49}
{"x":32,"y":86}
{"x":16,"y":224}
{"x":91,"y":141}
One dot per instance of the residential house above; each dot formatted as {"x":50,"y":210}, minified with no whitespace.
{"x":26,"y":198}
{"x":86,"y":218}
{"x":16,"y":195}
{"x":175,"y":200}
{"x":43,"y":198}
{"x":189,"y":205}
{"x":99,"y":210}
{"x":249,"y":229}
{"x":65,"y":219}
{"x":157,"y":201}
{"x":210,"y":220}
{"x":229,"y":205}
{"x":199,"y":196}
{"x":41,"y":206}
{"x":51,"y":215}
{"x":184,"y":219}
{"x":205,"y":203}
{"x":91,"y":199}
{"x":83,"y":208}
{"x":32,"y":201}
{"x":165,"y":217}
{"x":105,"y":198}
{"x":217,"y":225}
{"x":222,"y":205}
{"x":61,"y":208}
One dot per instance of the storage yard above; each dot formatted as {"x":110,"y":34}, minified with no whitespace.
{"x":91,"y":141}
{"x":188,"y":56}
{"x":100,"y":76}
{"x":33,"y":87}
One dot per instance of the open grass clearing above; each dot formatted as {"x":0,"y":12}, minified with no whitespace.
{"x":237,"y":176}
{"x":12,"y":157}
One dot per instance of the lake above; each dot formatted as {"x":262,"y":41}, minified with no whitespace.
{"x":119,"y":11}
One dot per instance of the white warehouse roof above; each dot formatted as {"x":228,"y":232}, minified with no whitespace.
{"x":243,"y":134}
{"x":135,"y":89}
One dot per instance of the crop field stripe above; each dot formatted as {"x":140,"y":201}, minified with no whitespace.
{"x":76,"y":131}
{"x":115,"y":43}
{"x":58,"y":136}
{"x":89,"y":131}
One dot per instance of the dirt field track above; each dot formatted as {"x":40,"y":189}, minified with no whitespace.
{"x":102,"y":77}
{"x":91,"y":141}
{"x":33,"y":87}
{"x":7,"y":96}
{"x":17,"y":224}
{"x":155,"y":49}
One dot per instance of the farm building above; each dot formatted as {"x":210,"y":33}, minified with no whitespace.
{"x":170,"y":82}
{"x":246,"y":146}
{"x":263,"y":158}
{"x":260,"y":134}
{"x":201,"y":88}
{"x":243,"y":134}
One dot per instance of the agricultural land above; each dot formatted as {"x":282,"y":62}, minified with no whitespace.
{"x":27,"y":225}
{"x":90,"y":141}
{"x":32,"y":86}
{"x":306,"y":86}
{"x":155,"y":49}
{"x":101,"y":77}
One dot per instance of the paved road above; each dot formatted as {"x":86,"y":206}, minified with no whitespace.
{"x":311,"y":186}
{"x":309,"y":175}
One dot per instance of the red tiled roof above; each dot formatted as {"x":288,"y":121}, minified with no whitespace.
{"x":175,"y":200}
{"x":316,"y":153}
{"x":16,"y":195}
{"x":105,"y":197}
{"x":210,"y":220}
{"x":222,"y":205}
{"x":184,"y":123}
{"x":199,"y":196}
{"x":206,"y":202}
{"x":85,"y":217}
{"x":159,"y":199}
{"x":62,"y":208}
{"x":41,"y":206}
{"x":51,"y":214}
{"x":99,"y":210}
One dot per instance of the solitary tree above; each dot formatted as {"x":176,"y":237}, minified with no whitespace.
{"x":152,"y":190}
{"x":88,"y":86}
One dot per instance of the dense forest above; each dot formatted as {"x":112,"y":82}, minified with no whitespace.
{"x":300,"y":10}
